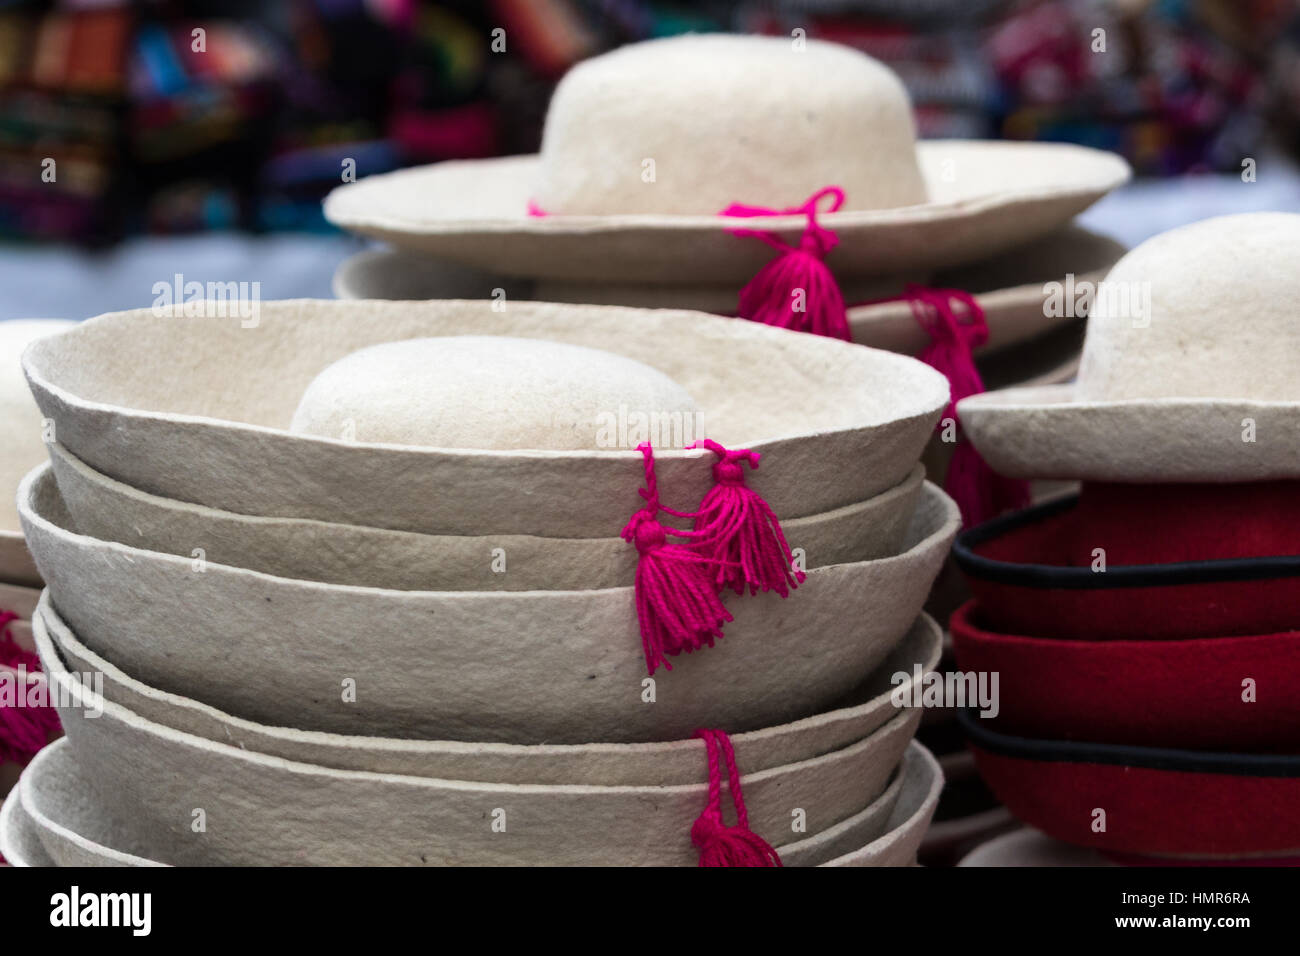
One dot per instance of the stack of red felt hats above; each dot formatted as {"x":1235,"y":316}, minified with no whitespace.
{"x":1146,"y":631}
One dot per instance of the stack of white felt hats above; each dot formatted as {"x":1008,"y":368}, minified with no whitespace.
{"x":430,"y":583}
{"x":778,"y":180}
{"x":25,"y":726}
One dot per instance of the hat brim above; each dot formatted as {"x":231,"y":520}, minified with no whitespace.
{"x":1009,"y":288}
{"x":864,"y":711}
{"x":1146,"y":692}
{"x":1048,"y":432}
{"x":281,"y":812}
{"x":1021,"y":594}
{"x":1158,"y":801}
{"x":985,"y":196}
{"x":431,"y":685}
{"x":873,"y":415}
{"x":79,"y":834}
{"x":342,"y":553}
{"x":20,"y":843}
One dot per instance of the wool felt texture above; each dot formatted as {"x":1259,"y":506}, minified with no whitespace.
{"x":726,"y":120}
{"x":861,"y":713}
{"x":1018,"y":570}
{"x":1162,"y":524}
{"x":1011,"y":288}
{"x":1197,"y":386}
{"x":68,"y":823}
{"x":264,"y":810}
{"x":836,"y":423}
{"x":22,"y":438}
{"x":691,"y":103}
{"x":1157,"y":801}
{"x":853,"y":833}
{"x":19,"y":843}
{"x":474,"y":213}
{"x":75,"y":827}
{"x":1026,"y":846}
{"x":922,"y":784}
{"x":1158,"y":693}
{"x":509,"y":394}
{"x":510,"y":667}
{"x":376,"y":557}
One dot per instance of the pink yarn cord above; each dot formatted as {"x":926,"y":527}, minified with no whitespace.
{"x":719,"y":844}
{"x":536,"y":210}
{"x":677,"y":603}
{"x":23,"y":730}
{"x":773,"y":295}
{"x":956,"y":325}
{"x":739,"y":530}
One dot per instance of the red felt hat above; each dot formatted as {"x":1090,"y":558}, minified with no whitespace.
{"x":1188,"y":694}
{"x":1152,"y":801}
{"x":1180,"y":562}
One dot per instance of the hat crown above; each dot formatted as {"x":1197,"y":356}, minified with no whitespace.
{"x":491,"y":392}
{"x":1203,"y":311}
{"x":692,"y":124}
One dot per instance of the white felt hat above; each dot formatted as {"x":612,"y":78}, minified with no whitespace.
{"x":897,"y":846}
{"x":1188,"y":371}
{"x":645,"y":146}
{"x":22,"y":440}
{"x":68,"y":827}
{"x":837,"y":423}
{"x":1012,"y":289}
{"x":20,"y":843}
{"x":515,"y":667}
{"x":861,"y":713}
{"x":263,"y":810}
{"x":376,"y":557}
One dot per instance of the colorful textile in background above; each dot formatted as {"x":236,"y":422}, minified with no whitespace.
{"x":152,"y":130}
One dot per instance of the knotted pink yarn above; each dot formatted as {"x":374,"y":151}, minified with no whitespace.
{"x":957,"y":327}
{"x":719,"y":844}
{"x":23,"y":730}
{"x":738,"y":529}
{"x":677,"y":603}
{"x":771,"y":296}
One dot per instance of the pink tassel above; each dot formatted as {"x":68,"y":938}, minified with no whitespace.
{"x":796,"y":290}
{"x":677,"y":603}
{"x":739,"y":530}
{"x":719,"y":844}
{"x":534,"y":209}
{"x":23,"y":730}
{"x":980,"y":493}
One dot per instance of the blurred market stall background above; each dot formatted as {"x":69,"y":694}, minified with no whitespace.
{"x":146,"y":138}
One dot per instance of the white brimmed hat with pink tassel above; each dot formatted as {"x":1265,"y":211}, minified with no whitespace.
{"x":657,"y":158}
